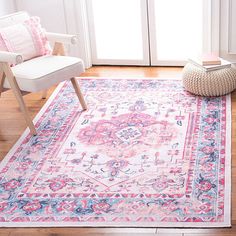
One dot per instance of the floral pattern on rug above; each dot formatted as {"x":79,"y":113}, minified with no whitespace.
{"x":145,"y":151}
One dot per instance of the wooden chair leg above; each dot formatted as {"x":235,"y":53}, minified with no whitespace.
{"x":44,"y":94}
{"x":2,"y":78}
{"x":19,"y":97}
{"x":79,"y":94}
{"x":23,"y":108}
{"x":58,"y":49}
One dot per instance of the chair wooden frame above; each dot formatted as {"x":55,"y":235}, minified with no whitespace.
{"x":6,"y":73}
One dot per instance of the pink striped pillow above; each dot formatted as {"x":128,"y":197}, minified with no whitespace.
{"x":27,"y":38}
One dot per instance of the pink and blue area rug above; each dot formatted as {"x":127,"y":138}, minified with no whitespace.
{"x":145,"y":154}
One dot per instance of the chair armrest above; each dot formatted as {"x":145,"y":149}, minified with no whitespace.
{"x":10,"y":57}
{"x":62,"y":38}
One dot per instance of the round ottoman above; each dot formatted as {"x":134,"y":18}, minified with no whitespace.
{"x":212,"y":83}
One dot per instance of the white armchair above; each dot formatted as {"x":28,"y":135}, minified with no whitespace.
{"x":40,"y":73}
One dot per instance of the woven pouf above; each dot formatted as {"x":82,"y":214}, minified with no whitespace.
{"x":212,"y":83}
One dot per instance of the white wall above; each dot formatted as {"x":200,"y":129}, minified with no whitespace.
{"x":51,"y":13}
{"x":62,"y":16}
{"x":7,"y":7}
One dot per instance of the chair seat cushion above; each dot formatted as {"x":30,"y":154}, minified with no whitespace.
{"x":42,"y":72}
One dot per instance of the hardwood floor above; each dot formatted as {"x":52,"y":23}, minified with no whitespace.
{"x":12,"y":125}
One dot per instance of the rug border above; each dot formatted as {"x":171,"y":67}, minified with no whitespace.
{"x":27,"y":131}
{"x":228,"y":161}
{"x":195,"y":225}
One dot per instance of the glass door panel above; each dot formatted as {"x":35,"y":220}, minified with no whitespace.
{"x":118,"y":31}
{"x":176,"y":30}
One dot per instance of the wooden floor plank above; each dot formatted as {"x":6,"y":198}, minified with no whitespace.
{"x":77,"y":231}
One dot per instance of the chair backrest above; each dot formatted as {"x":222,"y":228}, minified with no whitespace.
{"x":13,"y":19}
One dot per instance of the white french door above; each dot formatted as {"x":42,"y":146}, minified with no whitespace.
{"x":176,"y":30}
{"x":145,"y":32}
{"x":118,"y":32}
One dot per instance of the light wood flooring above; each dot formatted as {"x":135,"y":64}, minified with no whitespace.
{"x":12,"y":125}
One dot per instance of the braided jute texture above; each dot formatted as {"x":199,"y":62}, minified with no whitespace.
{"x":212,"y":83}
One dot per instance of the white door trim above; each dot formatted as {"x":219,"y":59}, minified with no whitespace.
{"x":226,"y":34}
{"x":229,"y":28}
{"x":77,"y":23}
{"x":215,"y":30}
